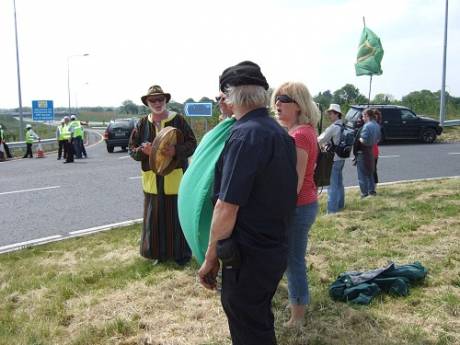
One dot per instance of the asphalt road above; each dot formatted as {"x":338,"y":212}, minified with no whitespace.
{"x":43,"y":198}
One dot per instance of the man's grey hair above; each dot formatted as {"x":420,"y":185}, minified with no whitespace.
{"x":251,"y":96}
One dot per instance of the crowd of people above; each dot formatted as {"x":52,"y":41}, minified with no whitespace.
{"x":265,"y":198}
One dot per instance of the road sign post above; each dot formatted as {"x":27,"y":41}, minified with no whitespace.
{"x":199,"y":109}
{"x":42,"y":111}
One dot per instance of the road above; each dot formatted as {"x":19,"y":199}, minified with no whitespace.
{"x":43,"y":198}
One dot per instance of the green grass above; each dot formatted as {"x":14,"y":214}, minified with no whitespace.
{"x":98,"y":290}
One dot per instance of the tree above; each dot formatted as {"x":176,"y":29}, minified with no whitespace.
{"x":383,"y":98}
{"x":324,"y":99}
{"x":128,"y":107}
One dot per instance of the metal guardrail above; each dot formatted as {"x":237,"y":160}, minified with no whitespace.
{"x":22,"y":144}
{"x":451,"y":123}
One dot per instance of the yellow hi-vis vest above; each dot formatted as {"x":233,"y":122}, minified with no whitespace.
{"x":29,"y":137}
{"x":61,"y":133}
{"x":77,"y":129}
{"x":65,"y":133}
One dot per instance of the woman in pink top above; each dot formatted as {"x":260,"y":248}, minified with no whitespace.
{"x":298,"y":113}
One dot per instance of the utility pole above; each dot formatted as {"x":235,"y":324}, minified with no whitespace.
{"x":442,"y":108}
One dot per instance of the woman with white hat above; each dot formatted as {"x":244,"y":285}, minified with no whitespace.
{"x":331,"y":136}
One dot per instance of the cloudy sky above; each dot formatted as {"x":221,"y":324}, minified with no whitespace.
{"x":184,"y":46}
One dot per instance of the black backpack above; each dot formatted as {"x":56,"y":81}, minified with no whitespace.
{"x":344,"y":147}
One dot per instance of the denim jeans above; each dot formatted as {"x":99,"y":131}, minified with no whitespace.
{"x":336,"y":190}
{"x":303,"y":219}
{"x":365,"y":179}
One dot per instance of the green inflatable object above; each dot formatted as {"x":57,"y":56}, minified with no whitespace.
{"x":195,"y":191}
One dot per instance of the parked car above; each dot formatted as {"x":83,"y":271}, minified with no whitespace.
{"x":118,"y":133}
{"x":399,"y":123}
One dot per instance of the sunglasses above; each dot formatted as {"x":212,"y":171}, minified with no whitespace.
{"x":156,"y":99}
{"x":284,"y":99}
{"x":220,"y":98}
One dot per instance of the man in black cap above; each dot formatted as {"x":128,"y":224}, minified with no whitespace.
{"x":255,"y":189}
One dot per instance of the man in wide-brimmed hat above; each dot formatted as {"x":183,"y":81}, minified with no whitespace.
{"x":162,"y":236}
{"x":256,"y":186}
{"x":331,"y":136}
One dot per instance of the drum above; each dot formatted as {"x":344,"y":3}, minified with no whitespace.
{"x":159,"y":163}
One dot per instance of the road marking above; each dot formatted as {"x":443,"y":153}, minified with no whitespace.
{"x":124,"y":157}
{"x":16,"y":246}
{"x":29,"y":190}
{"x":454,"y":153}
{"x":390,"y":156}
{"x":134,"y":177}
{"x":105,"y":227}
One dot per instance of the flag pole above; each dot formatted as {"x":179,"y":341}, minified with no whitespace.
{"x":370,"y":88}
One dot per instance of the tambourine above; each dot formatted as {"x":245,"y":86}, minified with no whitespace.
{"x":159,"y":163}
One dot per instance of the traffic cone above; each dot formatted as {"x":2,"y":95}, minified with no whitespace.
{"x":40,"y":152}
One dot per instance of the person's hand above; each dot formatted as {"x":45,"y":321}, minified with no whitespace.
{"x":146,"y":148}
{"x":169,"y":151}
{"x":354,"y":162}
{"x":208,"y":273}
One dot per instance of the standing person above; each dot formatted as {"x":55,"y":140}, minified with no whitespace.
{"x":255,"y":189}
{"x":331,"y":136}
{"x":162,"y":236}
{"x":68,"y":147}
{"x":297,"y":112}
{"x":225,"y":109}
{"x":82,"y":142}
{"x":60,"y":137}
{"x":30,"y":136}
{"x":2,"y":141}
{"x":76,"y":132}
{"x":375,"y":148}
{"x":368,"y":136}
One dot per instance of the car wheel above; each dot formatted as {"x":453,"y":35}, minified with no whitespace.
{"x":123,"y":148}
{"x":109,"y":149}
{"x":428,"y":135}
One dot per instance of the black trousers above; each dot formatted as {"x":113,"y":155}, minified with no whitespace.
{"x":62,"y":148}
{"x":247,"y":295}
{"x":68,"y":149}
{"x":28,"y":151}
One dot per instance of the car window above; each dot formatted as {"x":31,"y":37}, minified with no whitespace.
{"x":352,"y":114}
{"x":407,"y":115}
{"x":391,"y":115}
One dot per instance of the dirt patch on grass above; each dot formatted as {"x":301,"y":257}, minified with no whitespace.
{"x":176,"y":311}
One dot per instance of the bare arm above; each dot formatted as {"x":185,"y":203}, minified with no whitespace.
{"x":302,"y":159}
{"x":222,"y":225}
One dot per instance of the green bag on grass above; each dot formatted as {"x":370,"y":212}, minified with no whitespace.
{"x":194,"y":201}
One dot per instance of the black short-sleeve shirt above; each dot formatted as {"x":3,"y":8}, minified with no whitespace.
{"x":257,"y":171}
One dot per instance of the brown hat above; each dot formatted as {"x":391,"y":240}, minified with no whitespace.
{"x":155,"y":90}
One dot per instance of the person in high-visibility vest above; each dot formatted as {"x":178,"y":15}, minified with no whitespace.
{"x":2,"y":141}
{"x":76,"y":132}
{"x":60,"y":137}
{"x":30,"y":136}
{"x":68,"y":147}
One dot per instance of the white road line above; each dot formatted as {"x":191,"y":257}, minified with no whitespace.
{"x":390,"y":156}
{"x":29,"y":190}
{"x":134,"y":177}
{"x":42,"y":240}
{"x":124,"y":157}
{"x":454,"y":153}
{"x":105,"y":227}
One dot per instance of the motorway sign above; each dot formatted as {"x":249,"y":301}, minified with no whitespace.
{"x":42,"y":111}
{"x":198,"y":109}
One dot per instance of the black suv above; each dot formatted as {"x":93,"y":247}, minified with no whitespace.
{"x":118,"y":133}
{"x":399,"y":123}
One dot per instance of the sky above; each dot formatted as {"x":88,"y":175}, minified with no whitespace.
{"x":185,"y":45}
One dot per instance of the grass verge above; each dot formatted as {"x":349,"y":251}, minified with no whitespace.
{"x":97,"y":290}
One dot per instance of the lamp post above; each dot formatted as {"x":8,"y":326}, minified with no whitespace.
{"x":68,"y":74}
{"x":21,"y":120}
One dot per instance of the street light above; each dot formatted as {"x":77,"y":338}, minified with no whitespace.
{"x":68,"y":74}
{"x":21,"y":120}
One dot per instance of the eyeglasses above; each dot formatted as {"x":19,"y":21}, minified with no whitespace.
{"x":284,"y":99}
{"x":156,"y":99}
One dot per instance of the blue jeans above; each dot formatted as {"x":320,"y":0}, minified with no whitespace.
{"x":336,"y":190}
{"x":303,"y":219}
{"x":365,"y":178}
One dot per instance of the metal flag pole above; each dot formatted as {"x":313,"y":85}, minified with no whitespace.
{"x":442,"y":108}
{"x":370,"y":88}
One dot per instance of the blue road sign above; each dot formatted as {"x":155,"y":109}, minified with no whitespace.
{"x":198,"y":109}
{"x":42,"y":111}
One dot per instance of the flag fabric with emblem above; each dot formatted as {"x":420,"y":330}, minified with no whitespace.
{"x":370,"y":54}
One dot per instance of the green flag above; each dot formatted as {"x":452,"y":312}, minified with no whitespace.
{"x":370,"y":54}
